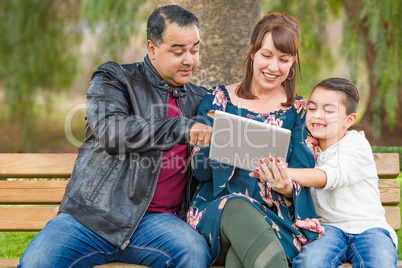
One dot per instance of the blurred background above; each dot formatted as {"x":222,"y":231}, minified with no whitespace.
{"x":49,"y":49}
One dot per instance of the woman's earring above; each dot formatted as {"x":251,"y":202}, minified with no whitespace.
{"x":293,"y":74}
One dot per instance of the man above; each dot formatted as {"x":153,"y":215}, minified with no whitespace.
{"x":125,"y":194}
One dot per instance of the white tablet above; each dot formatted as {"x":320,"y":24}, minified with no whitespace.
{"x":242,"y":142}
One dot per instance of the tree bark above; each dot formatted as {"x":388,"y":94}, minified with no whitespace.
{"x":225,"y":31}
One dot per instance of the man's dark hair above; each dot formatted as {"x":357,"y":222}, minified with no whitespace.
{"x":164,"y":15}
{"x":351,"y":99}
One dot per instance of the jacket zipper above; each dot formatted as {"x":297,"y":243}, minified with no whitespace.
{"x":188,"y":188}
{"x":124,"y":246}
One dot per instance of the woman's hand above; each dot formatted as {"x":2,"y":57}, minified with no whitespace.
{"x":275,"y":173}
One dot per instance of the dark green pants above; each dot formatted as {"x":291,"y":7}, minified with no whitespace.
{"x":247,"y":240}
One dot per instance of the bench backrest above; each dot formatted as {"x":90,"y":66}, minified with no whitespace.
{"x":32,"y":186}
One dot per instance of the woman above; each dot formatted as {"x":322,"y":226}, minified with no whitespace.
{"x":245,"y":221}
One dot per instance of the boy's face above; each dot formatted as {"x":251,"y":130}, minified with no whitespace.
{"x":176,"y":58}
{"x":326,"y":117}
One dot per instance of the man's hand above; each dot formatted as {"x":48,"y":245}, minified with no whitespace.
{"x":200,"y":135}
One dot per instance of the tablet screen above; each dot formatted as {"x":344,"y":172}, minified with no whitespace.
{"x":242,"y":142}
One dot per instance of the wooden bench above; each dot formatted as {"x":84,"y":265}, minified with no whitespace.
{"x":32,"y":186}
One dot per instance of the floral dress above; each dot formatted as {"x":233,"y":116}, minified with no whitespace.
{"x":293,"y":219}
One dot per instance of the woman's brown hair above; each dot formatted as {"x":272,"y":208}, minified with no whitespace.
{"x":286,"y":35}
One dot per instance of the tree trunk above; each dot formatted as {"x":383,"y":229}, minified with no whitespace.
{"x":225,"y":31}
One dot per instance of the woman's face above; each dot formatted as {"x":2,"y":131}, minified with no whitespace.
{"x":270,"y":66}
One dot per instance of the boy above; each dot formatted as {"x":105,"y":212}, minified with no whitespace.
{"x":345,"y":193}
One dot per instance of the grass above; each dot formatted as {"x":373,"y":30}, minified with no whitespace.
{"x":13,"y":244}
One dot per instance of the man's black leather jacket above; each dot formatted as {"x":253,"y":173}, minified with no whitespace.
{"x":118,"y":164}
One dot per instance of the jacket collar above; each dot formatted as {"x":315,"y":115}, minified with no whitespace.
{"x":153,"y":76}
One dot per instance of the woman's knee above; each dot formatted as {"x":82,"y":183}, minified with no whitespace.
{"x":234,"y":204}
{"x":239,"y":208}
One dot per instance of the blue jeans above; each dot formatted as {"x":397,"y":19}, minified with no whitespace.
{"x":161,"y":240}
{"x":372,"y":248}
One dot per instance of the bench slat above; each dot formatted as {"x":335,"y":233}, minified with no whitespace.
{"x":52,"y":191}
{"x":35,"y":218}
{"x":27,"y":219}
{"x":9,"y":263}
{"x":32,"y":192}
{"x":60,"y":165}
{"x":393,"y":217}
{"x":120,"y":265}
{"x":12,"y":263}
{"x":390,"y":193}
{"x":387,"y":164}
{"x":36,"y":165}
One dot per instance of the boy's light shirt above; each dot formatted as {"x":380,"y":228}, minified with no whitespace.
{"x":350,"y":199}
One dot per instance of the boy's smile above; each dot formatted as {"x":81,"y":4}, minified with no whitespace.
{"x":326,"y":117}
{"x":317,"y":125}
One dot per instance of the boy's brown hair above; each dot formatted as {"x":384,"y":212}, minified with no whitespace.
{"x":351,"y":99}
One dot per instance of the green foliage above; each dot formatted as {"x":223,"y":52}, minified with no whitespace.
{"x":371,"y":35}
{"x":40,"y":41}
{"x":37,"y":52}
{"x":377,"y":23}
{"x":114,"y":22}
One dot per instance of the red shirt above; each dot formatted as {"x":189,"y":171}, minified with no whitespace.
{"x":173,"y":176}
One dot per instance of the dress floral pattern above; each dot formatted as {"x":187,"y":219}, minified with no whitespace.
{"x":293,"y":219}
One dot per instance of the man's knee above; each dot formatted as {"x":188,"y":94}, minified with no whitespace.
{"x":35,"y":259}
{"x":193,"y":243}
{"x":191,"y":250}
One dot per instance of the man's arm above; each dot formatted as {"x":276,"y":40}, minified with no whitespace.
{"x":117,"y":130}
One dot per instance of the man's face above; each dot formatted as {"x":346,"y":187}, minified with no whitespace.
{"x":176,"y":58}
